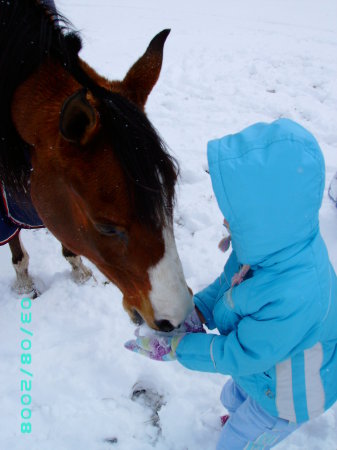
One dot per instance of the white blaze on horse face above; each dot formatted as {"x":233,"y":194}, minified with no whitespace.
{"x":170,"y":298}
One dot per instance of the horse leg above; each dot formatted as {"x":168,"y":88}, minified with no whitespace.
{"x":80,"y":272}
{"x":24,"y":284}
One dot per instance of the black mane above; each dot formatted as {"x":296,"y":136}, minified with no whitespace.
{"x":29,"y":34}
{"x":152,"y":172}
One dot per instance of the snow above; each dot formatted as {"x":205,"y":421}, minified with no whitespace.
{"x":227,"y":64}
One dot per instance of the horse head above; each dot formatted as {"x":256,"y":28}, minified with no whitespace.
{"x":103,"y":182}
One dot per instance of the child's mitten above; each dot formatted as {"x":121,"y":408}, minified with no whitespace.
{"x":192,"y":324}
{"x":160,"y":348}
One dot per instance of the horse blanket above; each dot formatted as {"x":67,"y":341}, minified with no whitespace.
{"x":16,"y":212}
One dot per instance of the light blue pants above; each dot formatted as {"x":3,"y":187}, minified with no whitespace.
{"x":249,"y":427}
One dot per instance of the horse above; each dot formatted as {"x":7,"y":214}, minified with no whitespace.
{"x":79,"y":150}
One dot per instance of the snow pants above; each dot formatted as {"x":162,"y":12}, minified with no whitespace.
{"x":249,"y":426}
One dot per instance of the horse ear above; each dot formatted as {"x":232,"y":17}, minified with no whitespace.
{"x":144,"y":74}
{"x":78,"y":118}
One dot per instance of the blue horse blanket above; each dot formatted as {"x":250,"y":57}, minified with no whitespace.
{"x":16,"y":212}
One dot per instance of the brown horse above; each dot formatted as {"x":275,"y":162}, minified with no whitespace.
{"x":97,"y":172}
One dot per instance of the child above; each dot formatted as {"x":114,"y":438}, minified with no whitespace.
{"x":277,"y":321}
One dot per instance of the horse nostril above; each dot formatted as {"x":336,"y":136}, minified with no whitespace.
{"x":164,"y":325}
{"x":137,"y":318}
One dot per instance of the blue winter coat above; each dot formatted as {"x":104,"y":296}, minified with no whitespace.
{"x":278,"y":328}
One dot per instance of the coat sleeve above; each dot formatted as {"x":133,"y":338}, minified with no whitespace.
{"x":254,"y":346}
{"x":205,"y":300}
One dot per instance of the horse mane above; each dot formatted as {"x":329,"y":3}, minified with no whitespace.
{"x":30,"y":33}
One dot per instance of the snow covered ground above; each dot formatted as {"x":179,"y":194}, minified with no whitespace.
{"x":227,"y":64}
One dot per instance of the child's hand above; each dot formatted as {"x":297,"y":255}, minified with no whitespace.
{"x":162,"y":346}
{"x":192,"y":324}
{"x":157,"y":347}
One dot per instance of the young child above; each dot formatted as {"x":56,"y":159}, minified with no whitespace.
{"x":277,"y":320}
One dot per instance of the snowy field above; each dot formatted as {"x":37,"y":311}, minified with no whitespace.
{"x":227,"y":64}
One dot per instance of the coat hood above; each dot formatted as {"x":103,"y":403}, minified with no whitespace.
{"x":268,"y":181}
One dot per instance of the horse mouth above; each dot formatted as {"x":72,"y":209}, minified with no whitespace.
{"x":137,"y":318}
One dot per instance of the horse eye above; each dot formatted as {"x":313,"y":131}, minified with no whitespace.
{"x":110,"y":230}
